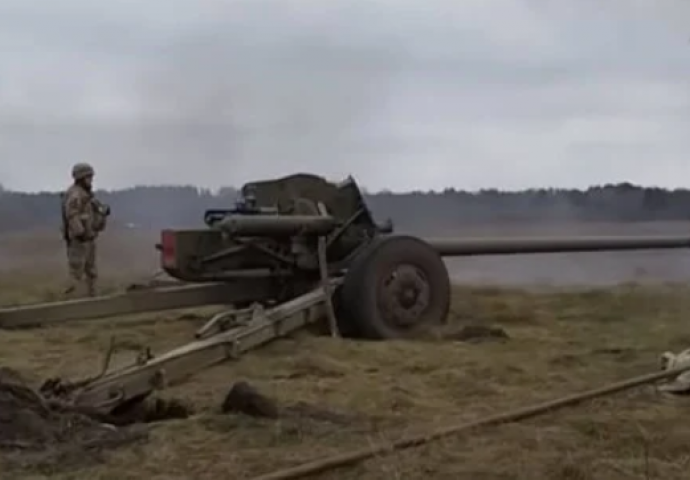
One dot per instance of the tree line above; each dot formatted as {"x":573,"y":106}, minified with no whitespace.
{"x":183,"y":206}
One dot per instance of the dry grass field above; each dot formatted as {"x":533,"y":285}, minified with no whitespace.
{"x":347,"y":394}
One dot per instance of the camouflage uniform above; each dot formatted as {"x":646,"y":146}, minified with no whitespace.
{"x":84,"y":217}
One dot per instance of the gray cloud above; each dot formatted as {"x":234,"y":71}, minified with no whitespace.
{"x":402,"y":94}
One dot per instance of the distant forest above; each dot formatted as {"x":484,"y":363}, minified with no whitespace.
{"x":183,"y":206}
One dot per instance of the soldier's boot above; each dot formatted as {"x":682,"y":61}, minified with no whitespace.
{"x":72,"y":289}
{"x":90,"y":287}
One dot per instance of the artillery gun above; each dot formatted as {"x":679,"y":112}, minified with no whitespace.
{"x":293,"y":251}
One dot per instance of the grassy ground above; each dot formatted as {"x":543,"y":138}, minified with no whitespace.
{"x":560,"y":342}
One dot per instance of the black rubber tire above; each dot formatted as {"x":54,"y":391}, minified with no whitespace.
{"x":358,"y":309}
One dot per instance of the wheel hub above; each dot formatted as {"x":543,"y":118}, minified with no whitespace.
{"x":405,"y":295}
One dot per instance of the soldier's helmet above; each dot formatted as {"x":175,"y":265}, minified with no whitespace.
{"x":81,"y":171}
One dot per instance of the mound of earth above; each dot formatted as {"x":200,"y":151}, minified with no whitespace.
{"x":476,"y":334}
{"x":34,"y":431}
{"x":246,"y":399}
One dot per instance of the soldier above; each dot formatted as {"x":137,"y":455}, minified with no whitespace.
{"x":83,"y":218}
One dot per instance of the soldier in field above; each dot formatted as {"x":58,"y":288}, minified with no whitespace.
{"x":83,"y":219}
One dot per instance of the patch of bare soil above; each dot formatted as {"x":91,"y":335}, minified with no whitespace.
{"x":245,"y":399}
{"x":46,"y":434}
{"x":249,"y":413}
{"x":475,"y":334}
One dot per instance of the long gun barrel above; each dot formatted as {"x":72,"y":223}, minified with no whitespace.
{"x":276,"y":225}
{"x":519,"y":246}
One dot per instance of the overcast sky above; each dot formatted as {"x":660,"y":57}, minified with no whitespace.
{"x":401,"y":94}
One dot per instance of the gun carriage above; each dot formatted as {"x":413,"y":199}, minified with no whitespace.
{"x":293,"y":251}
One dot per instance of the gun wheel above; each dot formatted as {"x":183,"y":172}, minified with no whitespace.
{"x":397,"y":288}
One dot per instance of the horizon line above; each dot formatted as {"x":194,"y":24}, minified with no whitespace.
{"x":366,"y":191}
